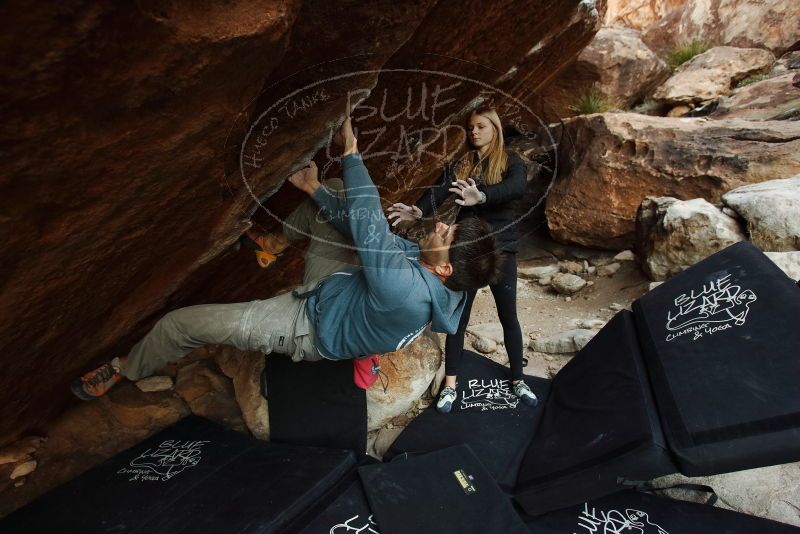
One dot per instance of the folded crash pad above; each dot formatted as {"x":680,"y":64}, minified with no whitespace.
{"x":349,"y":512}
{"x":447,"y":491}
{"x":600,"y":429}
{"x":486,"y":416}
{"x":722,"y":348}
{"x":633,"y":512}
{"x":192,"y":477}
{"x":315,"y":403}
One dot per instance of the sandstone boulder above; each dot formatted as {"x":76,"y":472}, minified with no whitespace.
{"x":767,"y":100}
{"x":616,"y":63}
{"x":772,"y":212}
{"x":615,"y":160}
{"x":787,"y":63}
{"x":567,"y":284}
{"x":563,"y":342}
{"x":384,"y":439}
{"x":638,"y":14}
{"x":484,"y":345}
{"x":712,"y":74}
{"x":768,"y":24}
{"x":608,"y":270}
{"x":571,"y":267}
{"x":23,"y":469}
{"x":789,"y":262}
{"x":627,"y":70}
{"x":493,"y":331}
{"x":673,"y":235}
{"x":770,"y":492}
{"x":21,"y":450}
{"x":210,"y":394}
{"x":154,"y":383}
{"x":591,"y":324}
{"x":409,"y":373}
{"x":625,"y":255}
{"x":245,"y":369}
{"x":679,"y":111}
{"x":537,"y":273}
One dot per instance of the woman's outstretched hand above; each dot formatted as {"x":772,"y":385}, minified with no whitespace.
{"x":468,"y":191}
{"x":402,"y":212}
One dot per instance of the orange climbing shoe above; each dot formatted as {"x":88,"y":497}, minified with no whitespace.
{"x":97,"y":383}
{"x":267,"y":247}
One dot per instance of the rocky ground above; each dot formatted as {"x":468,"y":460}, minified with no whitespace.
{"x":545,"y":314}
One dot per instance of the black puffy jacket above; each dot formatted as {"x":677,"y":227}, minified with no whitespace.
{"x":498,"y":209}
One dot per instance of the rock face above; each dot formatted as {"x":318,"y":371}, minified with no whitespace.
{"x":626,"y":69}
{"x":615,"y":160}
{"x":712,"y":74}
{"x":638,"y":14}
{"x":245,"y":369}
{"x":617,"y":63}
{"x":209,"y":394}
{"x":775,"y":98}
{"x":672,"y":235}
{"x":772,"y":212}
{"x":409,"y":373}
{"x":789,"y":262}
{"x":788,"y":62}
{"x":770,"y":492}
{"x":123,"y":124}
{"x":768,"y":24}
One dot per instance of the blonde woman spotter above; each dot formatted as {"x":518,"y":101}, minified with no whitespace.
{"x":485,"y":181}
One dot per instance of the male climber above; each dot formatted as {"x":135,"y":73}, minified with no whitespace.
{"x":347,"y":313}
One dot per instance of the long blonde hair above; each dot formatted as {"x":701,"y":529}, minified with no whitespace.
{"x":496,"y":153}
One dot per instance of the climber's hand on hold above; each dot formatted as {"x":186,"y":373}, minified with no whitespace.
{"x":306,"y":179}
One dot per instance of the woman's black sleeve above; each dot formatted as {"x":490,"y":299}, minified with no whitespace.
{"x":436,"y":194}
{"x":511,"y":187}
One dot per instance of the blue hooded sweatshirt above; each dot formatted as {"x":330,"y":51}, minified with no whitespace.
{"x":387,"y":302}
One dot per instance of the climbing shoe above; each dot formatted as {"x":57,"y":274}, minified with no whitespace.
{"x":267,"y":247}
{"x":525,"y":394}
{"x":97,"y":383}
{"x":446,"y":399}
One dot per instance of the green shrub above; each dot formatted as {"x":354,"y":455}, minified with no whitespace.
{"x":685,"y":52}
{"x":648,"y":106}
{"x":592,"y":101}
{"x":751,"y":79}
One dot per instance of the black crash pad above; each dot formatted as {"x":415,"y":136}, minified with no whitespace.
{"x":600,"y":429}
{"x":315,"y":403}
{"x":447,"y":491}
{"x":722,"y":347}
{"x":633,"y":512}
{"x":349,"y":512}
{"x":194,"y":477}
{"x":486,"y":416}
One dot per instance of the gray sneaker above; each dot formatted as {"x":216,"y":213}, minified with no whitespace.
{"x":446,"y":399}
{"x":525,"y":394}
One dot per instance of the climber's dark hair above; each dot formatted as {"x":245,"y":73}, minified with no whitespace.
{"x":473,"y":255}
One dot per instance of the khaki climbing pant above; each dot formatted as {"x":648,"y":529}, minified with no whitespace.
{"x":278,"y":325}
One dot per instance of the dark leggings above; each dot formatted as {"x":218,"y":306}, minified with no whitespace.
{"x":505,"y":299}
